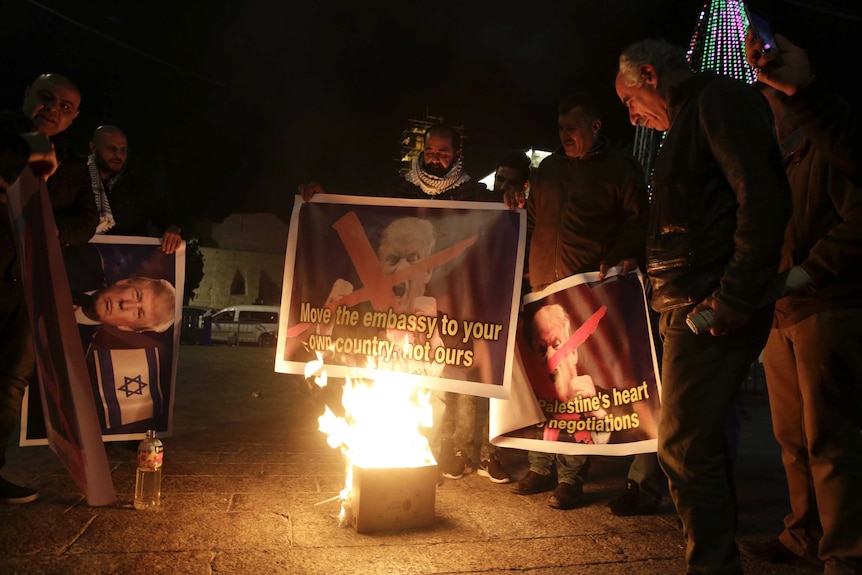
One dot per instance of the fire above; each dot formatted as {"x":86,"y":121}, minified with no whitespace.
{"x":381,"y":426}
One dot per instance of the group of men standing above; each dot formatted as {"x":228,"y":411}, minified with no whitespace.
{"x":724,"y":230}
{"x":88,"y":196}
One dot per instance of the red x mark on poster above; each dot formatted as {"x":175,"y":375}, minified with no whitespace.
{"x":377,"y":286}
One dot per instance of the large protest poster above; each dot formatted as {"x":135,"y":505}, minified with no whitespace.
{"x":586,"y":379}
{"x":424,"y":289}
{"x":72,"y":425}
{"x":127,"y":303}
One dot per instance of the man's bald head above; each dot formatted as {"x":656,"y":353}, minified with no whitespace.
{"x":105,"y":130}
{"x":51,"y":102}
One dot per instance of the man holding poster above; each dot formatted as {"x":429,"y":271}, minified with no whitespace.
{"x":586,"y":212}
{"x":50,"y":106}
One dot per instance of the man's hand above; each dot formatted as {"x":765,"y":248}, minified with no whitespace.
{"x":787,"y":69}
{"x":43,"y":159}
{"x":725,"y":320}
{"x":307,"y":191}
{"x":627,"y":265}
{"x":171,"y":240}
{"x":515,"y":200}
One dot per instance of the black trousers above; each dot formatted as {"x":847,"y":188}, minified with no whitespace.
{"x":16,"y":359}
{"x":700,"y":377}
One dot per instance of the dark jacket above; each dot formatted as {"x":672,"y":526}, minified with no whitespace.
{"x":73,"y":201}
{"x":824,"y":235}
{"x":584,"y":212}
{"x":720,"y":198}
{"x":832,"y":125}
{"x":71,"y":197}
{"x":14,"y":151}
{"x":137,"y":208}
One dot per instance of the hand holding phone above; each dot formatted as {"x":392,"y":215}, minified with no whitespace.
{"x":763,"y":31}
{"x":761,"y":49}
{"x":787,"y":71}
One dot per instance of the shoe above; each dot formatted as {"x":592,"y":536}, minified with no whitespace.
{"x":633,"y":502}
{"x":493,"y":470}
{"x":774,"y":551}
{"x":566,"y":496}
{"x":12,"y":494}
{"x":532,"y":483}
{"x":457,"y":466}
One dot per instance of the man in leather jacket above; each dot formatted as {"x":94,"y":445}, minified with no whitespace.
{"x":720,"y":203}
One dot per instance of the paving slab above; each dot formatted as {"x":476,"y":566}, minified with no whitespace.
{"x":250,"y":486}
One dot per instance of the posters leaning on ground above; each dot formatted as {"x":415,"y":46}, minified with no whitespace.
{"x":431,"y":291}
{"x":127,"y":302}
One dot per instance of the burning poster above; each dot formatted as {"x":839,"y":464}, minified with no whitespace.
{"x":423,"y":289}
{"x":127,"y":301}
{"x":72,"y":426}
{"x":586,"y":379}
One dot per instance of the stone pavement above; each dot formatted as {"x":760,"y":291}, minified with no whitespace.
{"x":247,"y":473}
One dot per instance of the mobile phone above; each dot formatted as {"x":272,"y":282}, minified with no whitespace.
{"x":762,"y":30}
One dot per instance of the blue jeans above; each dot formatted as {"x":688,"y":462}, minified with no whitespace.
{"x":570,"y":468}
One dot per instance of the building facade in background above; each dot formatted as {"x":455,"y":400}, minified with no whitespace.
{"x":243,"y":261}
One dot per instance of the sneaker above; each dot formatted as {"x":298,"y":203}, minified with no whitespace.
{"x":566,"y":496}
{"x":774,"y":551}
{"x":457,"y":466}
{"x":493,"y":470}
{"x":532,"y":483}
{"x":15,"y":494}
{"x":633,"y":502}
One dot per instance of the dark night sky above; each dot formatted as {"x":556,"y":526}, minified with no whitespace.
{"x":231,"y":103}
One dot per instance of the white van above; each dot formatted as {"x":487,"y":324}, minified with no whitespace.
{"x":246,"y":324}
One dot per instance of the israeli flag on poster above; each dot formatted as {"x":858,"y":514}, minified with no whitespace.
{"x":128,"y":384}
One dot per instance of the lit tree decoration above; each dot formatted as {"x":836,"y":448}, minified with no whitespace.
{"x":718,"y":44}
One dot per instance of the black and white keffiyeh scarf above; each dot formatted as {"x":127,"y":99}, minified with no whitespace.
{"x":433,"y":185}
{"x":106,"y":218}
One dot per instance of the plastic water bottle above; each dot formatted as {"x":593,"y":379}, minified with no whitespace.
{"x":148,"y":483}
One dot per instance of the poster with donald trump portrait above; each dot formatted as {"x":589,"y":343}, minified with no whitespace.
{"x":586,"y":379}
{"x":127,"y":301}
{"x":427,"y":290}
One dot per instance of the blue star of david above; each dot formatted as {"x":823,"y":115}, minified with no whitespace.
{"x":129,"y":392}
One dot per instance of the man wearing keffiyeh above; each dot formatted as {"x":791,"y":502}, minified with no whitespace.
{"x":438,"y":173}
{"x":127,"y":205}
{"x":586,"y":212}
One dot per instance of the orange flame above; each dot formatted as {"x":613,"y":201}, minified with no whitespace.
{"x":381,"y":427}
